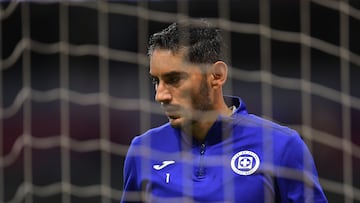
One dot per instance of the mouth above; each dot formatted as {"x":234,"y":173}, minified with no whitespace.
{"x":172,"y":118}
{"x":172,"y":111}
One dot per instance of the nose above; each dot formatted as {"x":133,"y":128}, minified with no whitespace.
{"x":162,"y":94}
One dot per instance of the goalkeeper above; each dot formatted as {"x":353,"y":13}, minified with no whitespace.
{"x":212,"y":149}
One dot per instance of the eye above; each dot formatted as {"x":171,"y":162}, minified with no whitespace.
{"x":155,"y":82}
{"x":173,"y":80}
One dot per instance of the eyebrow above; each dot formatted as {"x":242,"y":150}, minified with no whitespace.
{"x":174,"y":73}
{"x":170,"y":74}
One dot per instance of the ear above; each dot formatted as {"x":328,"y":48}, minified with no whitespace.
{"x":219,"y":72}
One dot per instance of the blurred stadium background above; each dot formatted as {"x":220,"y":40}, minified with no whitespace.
{"x":74,"y":87}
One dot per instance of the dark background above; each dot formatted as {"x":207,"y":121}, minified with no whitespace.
{"x":127,"y":79}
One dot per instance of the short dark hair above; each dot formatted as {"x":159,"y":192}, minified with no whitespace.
{"x":202,"y":42}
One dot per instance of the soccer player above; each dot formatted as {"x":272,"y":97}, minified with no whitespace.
{"x":212,"y":149}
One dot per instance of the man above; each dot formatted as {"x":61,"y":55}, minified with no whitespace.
{"x":211,"y":150}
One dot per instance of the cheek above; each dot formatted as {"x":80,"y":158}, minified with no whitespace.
{"x":184,"y":95}
{"x":189,"y":92}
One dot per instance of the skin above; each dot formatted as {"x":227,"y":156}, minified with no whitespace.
{"x":190,"y":94}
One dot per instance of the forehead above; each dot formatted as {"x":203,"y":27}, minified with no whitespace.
{"x":162,"y":60}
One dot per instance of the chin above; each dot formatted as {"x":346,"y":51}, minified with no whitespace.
{"x":176,"y":126}
{"x":176,"y":123}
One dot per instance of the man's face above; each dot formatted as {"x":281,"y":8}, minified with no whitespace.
{"x":181,"y":87}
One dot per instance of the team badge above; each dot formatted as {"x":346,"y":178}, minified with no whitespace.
{"x":245,"y":163}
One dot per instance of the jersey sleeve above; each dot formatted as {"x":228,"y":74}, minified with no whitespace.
{"x":297,"y":178}
{"x":131,"y":188}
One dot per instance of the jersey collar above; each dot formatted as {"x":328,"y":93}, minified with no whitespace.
{"x":222,"y":127}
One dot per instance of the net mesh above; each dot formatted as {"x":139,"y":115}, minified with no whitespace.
{"x":75,"y":90}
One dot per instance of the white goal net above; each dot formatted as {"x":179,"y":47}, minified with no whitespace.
{"x":74,"y":87}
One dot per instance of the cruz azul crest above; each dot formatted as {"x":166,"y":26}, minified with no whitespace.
{"x":245,"y":163}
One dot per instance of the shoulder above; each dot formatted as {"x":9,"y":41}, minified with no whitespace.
{"x":250,"y":122}
{"x":153,"y":133}
{"x":284,"y":143}
{"x":257,"y":131}
{"x":161,"y":138}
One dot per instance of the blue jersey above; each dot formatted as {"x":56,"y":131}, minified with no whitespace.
{"x":243,"y":158}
